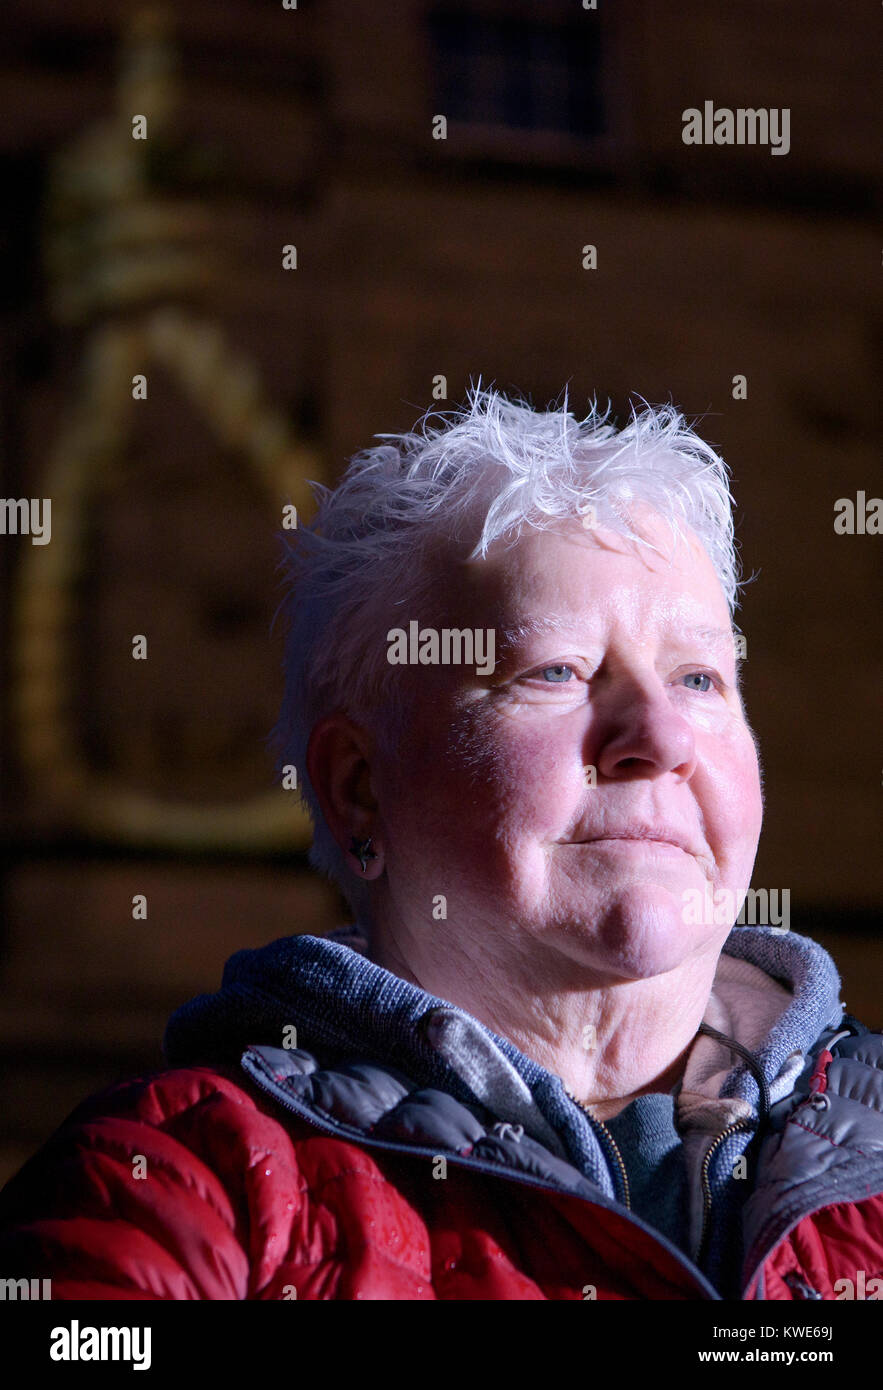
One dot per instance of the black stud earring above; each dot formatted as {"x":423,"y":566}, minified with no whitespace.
{"x":362,"y":850}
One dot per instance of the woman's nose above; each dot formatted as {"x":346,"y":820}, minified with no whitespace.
{"x":639,"y":733}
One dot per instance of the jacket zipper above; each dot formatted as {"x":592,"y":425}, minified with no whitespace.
{"x":737,"y":1127}
{"x":619,"y":1159}
{"x":612,"y":1146}
{"x":256,"y":1072}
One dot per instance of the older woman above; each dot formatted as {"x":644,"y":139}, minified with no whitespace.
{"x":532,"y":1068}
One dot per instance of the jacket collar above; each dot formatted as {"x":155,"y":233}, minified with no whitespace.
{"x":774,"y":993}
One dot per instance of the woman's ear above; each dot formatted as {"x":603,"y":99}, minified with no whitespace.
{"x":339,"y":757}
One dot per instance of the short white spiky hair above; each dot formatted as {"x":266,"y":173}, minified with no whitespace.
{"x":378,"y":540}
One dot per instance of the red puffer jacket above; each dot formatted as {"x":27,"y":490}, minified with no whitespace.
{"x":206,"y":1183}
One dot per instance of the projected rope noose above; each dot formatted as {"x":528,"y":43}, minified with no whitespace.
{"x":121,"y":261}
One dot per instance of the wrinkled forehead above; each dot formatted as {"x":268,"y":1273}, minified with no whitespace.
{"x":567,"y":568}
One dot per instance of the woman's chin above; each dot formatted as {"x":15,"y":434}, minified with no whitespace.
{"x":642,"y":933}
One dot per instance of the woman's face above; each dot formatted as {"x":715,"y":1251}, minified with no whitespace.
{"x":541,"y":799}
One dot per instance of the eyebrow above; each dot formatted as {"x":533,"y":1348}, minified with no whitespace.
{"x":719,"y":635}
{"x":530,"y":627}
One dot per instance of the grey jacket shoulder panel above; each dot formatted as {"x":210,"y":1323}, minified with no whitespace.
{"x":824,"y":1144}
{"x":371,"y":1100}
{"x":838,"y":1101}
{"x":367,"y":1102}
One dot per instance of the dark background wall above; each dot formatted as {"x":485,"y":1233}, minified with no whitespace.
{"x":416,"y":258}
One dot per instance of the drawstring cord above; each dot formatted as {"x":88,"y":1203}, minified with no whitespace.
{"x":753,"y":1063}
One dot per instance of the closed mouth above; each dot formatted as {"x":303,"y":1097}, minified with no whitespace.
{"x":637,"y":839}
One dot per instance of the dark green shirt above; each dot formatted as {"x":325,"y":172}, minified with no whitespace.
{"x":653,"y":1154}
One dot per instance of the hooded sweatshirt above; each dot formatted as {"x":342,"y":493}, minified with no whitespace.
{"x":774,"y":993}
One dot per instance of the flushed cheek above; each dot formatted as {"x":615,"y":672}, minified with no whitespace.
{"x":536,"y":780}
{"x":730,"y":801}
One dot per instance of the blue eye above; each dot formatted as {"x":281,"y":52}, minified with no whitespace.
{"x":699,"y":676}
{"x":558,"y":679}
